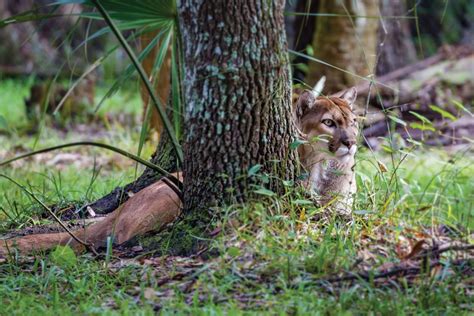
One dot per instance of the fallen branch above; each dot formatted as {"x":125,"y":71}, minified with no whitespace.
{"x":445,"y":53}
{"x":366,"y":275}
{"x":405,"y":268}
{"x":397,"y":271}
{"x":444,"y":248}
{"x":8,"y":70}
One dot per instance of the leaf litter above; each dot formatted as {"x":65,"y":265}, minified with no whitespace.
{"x":384,"y":259}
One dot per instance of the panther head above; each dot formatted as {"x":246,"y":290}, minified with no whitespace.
{"x":329,"y":126}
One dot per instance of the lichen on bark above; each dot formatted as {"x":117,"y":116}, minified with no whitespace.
{"x":237,"y":95}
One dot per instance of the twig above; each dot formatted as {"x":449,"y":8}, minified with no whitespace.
{"x":404,"y":270}
{"x":401,"y":269}
{"x":366,"y":275}
{"x":437,"y":251}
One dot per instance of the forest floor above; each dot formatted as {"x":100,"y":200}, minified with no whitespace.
{"x":409,"y":248}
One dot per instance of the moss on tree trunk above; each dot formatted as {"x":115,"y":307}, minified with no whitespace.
{"x":237,"y":92}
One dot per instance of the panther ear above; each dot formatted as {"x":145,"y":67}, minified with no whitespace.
{"x":349,"y":95}
{"x":304,"y":103}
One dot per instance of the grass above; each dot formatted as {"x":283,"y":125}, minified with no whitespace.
{"x":269,"y":257}
{"x":12,"y":106}
{"x":92,"y":289}
{"x":60,"y":180}
{"x":428,"y":186}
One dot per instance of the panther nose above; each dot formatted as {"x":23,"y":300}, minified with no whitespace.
{"x":348,"y":143}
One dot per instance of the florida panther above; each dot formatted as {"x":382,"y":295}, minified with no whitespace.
{"x":330,"y":129}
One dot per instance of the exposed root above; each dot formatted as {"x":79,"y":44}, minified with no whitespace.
{"x":150,"y":209}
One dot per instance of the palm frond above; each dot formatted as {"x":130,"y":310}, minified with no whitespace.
{"x":136,"y":63}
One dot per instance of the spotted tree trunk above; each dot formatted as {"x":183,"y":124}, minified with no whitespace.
{"x":237,"y":92}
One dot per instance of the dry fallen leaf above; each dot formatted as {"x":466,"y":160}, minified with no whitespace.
{"x":415,"y":249}
{"x":149,"y":293}
{"x":137,"y":248}
{"x":91,"y":211}
{"x":382,"y":166}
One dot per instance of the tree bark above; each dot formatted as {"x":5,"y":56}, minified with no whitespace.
{"x":347,"y":41}
{"x":237,"y":93}
{"x":396,"y":48}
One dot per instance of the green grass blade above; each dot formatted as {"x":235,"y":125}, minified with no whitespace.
{"x":175,"y":90}
{"x":338,"y":68}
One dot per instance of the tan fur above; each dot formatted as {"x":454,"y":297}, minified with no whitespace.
{"x":328,"y":155}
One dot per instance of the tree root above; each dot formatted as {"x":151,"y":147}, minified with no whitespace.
{"x":150,"y":209}
{"x":164,"y":157}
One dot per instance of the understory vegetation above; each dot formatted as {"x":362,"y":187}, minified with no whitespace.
{"x":268,"y":255}
{"x":199,"y":93}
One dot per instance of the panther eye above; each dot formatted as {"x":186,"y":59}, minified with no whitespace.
{"x":328,"y":122}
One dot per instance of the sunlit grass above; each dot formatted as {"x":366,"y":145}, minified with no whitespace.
{"x":70,"y":180}
{"x":12,"y":102}
{"x":427,"y":186}
{"x":13,"y":93}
